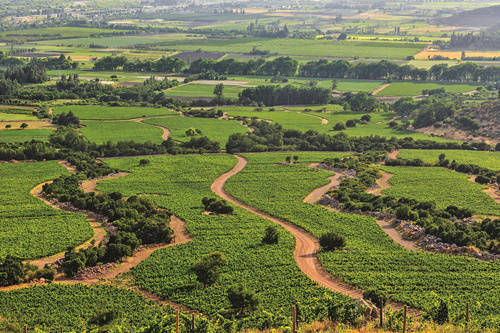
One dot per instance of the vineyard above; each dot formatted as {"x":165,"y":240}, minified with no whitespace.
{"x":442,"y":186}
{"x":30,"y":229}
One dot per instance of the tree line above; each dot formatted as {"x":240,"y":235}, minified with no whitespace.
{"x":162,"y":65}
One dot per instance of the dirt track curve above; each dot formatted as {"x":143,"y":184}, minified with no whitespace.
{"x":382,"y":184}
{"x":306,"y":246}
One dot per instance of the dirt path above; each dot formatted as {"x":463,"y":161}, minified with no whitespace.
{"x":382,"y":184}
{"x":386,"y":226}
{"x":316,"y":195}
{"x":324,"y":121}
{"x":379,"y":89}
{"x":89,"y":185}
{"x":393,"y":154}
{"x":491,"y":191}
{"x":51,"y":111}
{"x":306,"y":247}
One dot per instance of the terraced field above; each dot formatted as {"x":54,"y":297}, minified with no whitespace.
{"x":269,"y":270}
{"x":485,"y":159}
{"x":445,"y":187}
{"x":31,"y":229}
{"x":371,"y":258}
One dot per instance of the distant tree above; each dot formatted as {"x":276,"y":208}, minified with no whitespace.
{"x":441,"y":314}
{"x":241,"y":299}
{"x":339,"y":126}
{"x":219,"y":91}
{"x":288,"y":159}
{"x":331,"y":241}
{"x":295,"y":158}
{"x":366,"y":117}
{"x":378,"y":298}
{"x":334,"y":84}
{"x":143,"y":162}
{"x":11,"y":271}
{"x":207,"y":269}
{"x":8,"y":126}
{"x":24,"y":125}
{"x":351,"y":123}
{"x":271,"y":235}
{"x":342,"y":36}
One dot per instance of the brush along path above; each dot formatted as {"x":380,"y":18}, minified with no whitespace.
{"x":382,"y":184}
{"x":306,"y":244}
{"x":386,"y":226}
{"x":142,"y":253}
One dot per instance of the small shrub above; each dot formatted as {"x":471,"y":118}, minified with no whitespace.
{"x":271,"y":235}
{"x":366,"y":117}
{"x":331,"y":241}
{"x":241,"y":299}
{"x":351,"y":123}
{"x":339,"y":126}
{"x":143,"y":162}
{"x":207,"y":269}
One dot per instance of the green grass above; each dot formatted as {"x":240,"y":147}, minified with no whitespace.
{"x":485,"y":159}
{"x":30,"y":228}
{"x":215,"y":129}
{"x":52,"y":32}
{"x":24,"y":135}
{"x":372,"y":260}
{"x":14,"y":116}
{"x":115,"y":131}
{"x":309,"y":121}
{"x":193,"y":90}
{"x":180,"y":183}
{"x":75,"y":307}
{"x":306,"y":47}
{"x":443,"y":186}
{"x":415,"y":88}
{"x":99,"y":112}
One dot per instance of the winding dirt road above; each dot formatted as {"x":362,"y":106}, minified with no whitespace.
{"x":379,"y":89}
{"x":306,"y":247}
{"x":393,"y":154}
{"x":166,"y":131}
{"x":382,"y":184}
{"x":324,"y":121}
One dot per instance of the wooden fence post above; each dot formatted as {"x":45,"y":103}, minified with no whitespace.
{"x":25,"y":328}
{"x":404,"y":320}
{"x":294,"y":319}
{"x":192,"y":322}
{"x":177,"y":321}
{"x":61,"y":329}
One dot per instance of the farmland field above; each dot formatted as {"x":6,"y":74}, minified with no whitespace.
{"x":415,"y":88}
{"x":445,"y":187}
{"x":372,"y":258}
{"x":215,"y":129}
{"x":31,"y":229}
{"x":24,"y":135}
{"x":269,"y":270}
{"x":75,"y":307}
{"x":99,"y":112}
{"x":485,"y":159}
{"x":115,"y":131}
{"x":201,"y":90}
{"x":14,"y":116}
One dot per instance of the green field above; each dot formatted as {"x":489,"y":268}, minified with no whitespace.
{"x":371,"y":258}
{"x":14,"y":116}
{"x":215,"y":129}
{"x":311,"y":121}
{"x":99,"y":112}
{"x":25,"y":135}
{"x":179,"y":183}
{"x":31,"y":229}
{"x":193,"y":90}
{"x":115,"y":131}
{"x":77,"y":308}
{"x":306,"y":47}
{"x":486,"y":159}
{"x":443,"y":186}
{"x":415,"y":88}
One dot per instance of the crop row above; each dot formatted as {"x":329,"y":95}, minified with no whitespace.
{"x":372,"y":259}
